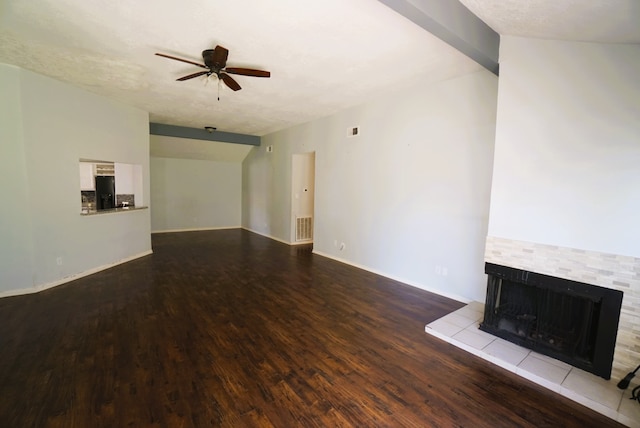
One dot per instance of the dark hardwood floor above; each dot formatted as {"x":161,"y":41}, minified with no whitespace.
{"x":228,"y":328}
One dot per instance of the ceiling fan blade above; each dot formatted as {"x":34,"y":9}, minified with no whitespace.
{"x":228,"y":80}
{"x":220,"y":55}
{"x":183,"y":60}
{"x":191,"y":76}
{"x":247,"y":72}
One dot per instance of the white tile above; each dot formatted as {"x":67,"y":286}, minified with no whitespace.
{"x":593,"y":387}
{"x":477,"y":306}
{"x":551,"y":360}
{"x":587,"y":402}
{"x":456,"y":343}
{"x":629,"y":409}
{"x":469,"y":313}
{"x":543,"y":369}
{"x":439,"y":335}
{"x":444,"y":327}
{"x":498,"y":362}
{"x":471,"y":338}
{"x":474,"y":328}
{"x":625,"y":420}
{"x":551,"y":386}
{"x":506,"y":351}
{"x":460,"y":321}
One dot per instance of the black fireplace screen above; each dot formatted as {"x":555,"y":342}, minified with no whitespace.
{"x":567,"y":320}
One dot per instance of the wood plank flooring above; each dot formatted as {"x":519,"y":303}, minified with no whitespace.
{"x":231,"y":329}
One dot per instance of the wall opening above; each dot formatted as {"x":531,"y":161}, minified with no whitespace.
{"x":302,"y":197}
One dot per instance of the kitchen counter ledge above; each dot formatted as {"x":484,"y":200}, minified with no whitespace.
{"x":86,"y":212}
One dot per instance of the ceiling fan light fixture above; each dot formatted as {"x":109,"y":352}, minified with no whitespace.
{"x":215,"y":62}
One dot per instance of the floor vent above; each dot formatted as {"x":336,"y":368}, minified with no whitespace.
{"x":304,"y":228}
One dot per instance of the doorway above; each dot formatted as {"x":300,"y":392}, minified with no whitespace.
{"x":302,"y":197}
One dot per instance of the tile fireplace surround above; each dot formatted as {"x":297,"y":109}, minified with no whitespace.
{"x":611,"y":271}
{"x":606,"y":270}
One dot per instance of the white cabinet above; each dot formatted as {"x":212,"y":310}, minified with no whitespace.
{"x":104,"y":168}
{"x":87,"y":180}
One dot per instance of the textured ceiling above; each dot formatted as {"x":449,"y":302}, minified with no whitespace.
{"x":604,"y":21}
{"x":323,"y":55}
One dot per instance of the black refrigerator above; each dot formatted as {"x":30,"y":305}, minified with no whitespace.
{"x":105,"y":192}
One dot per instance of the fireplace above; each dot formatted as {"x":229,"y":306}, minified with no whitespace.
{"x":567,"y":320}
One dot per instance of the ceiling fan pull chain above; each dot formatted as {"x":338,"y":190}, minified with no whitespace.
{"x":219,"y":82}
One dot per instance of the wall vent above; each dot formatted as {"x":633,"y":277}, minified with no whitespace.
{"x":304,"y":228}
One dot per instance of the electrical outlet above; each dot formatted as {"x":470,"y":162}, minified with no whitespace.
{"x":59,"y":261}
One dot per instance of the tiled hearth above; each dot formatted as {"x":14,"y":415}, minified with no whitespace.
{"x":612,"y":271}
{"x":460,"y":328}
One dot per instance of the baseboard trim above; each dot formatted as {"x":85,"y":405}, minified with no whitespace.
{"x":301,"y":243}
{"x":368,"y":269}
{"x":42,"y":287}
{"x":267,"y":236}
{"x":47,"y":286}
{"x":396,"y":278}
{"x":198,"y":229}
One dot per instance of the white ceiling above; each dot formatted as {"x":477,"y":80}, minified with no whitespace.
{"x":323,"y":55}
{"x":604,"y":21}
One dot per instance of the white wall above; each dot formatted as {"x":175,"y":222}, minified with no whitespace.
{"x":47,"y":126}
{"x":16,"y":242}
{"x":409,"y":197}
{"x":195,"y":194}
{"x":567,"y":158}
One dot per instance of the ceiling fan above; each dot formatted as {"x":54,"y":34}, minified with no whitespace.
{"x":215,"y":62}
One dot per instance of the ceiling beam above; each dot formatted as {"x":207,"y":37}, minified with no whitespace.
{"x":202,"y":134}
{"x":453,"y":23}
